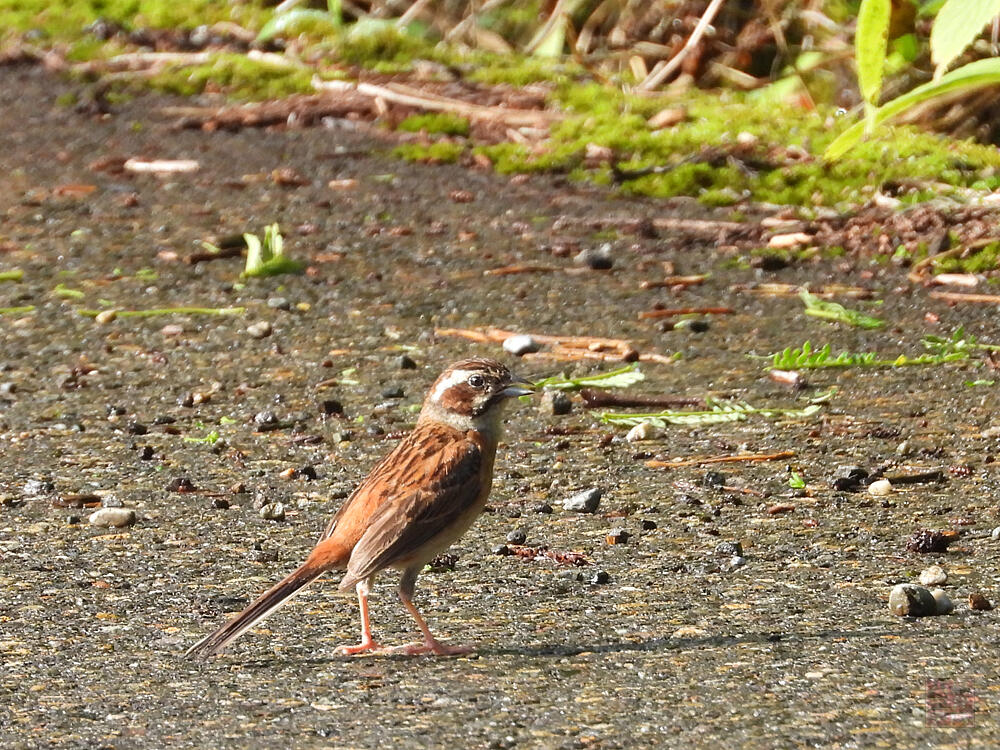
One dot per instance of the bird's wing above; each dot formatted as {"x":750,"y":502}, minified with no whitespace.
{"x":437,"y":490}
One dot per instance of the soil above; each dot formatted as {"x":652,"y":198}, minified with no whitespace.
{"x":674,"y":637}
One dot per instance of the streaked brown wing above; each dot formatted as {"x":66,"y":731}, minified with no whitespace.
{"x":395,"y":472}
{"x":448,"y":485}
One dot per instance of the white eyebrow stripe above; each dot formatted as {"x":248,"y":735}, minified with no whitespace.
{"x":458,"y":376}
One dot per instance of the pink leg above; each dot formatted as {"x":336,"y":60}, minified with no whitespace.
{"x":367,"y":642}
{"x":430,"y":643}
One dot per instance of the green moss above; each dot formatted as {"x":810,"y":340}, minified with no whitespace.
{"x":383,"y":48}
{"x":238,"y":76}
{"x":435,"y":153}
{"x":438,"y":122}
{"x":983,"y":260}
{"x":731,"y":148}
{"x":61,"y":19}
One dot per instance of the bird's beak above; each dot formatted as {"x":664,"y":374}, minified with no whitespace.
{"x":513,"y":390}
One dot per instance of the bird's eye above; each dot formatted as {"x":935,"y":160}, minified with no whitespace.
{"x":476,"y":381}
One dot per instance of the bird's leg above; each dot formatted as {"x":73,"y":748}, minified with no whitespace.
{"x":367,"y":642}
{"x":430,"y":644}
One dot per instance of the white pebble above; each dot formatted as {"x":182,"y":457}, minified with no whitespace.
{"x":520,"y":344}
{"x":933,"y":576}
{"x":996,"y":533}
{"x":112,"y":517}
{"x":105,"y":316}
{"x":880,"y":487}
{"x":273,"y":512}
{"x":259,"y":330}
{"x":944,"y":604}
{"x":642,"y":431}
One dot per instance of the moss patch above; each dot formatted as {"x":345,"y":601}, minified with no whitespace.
{"x":236,"y":75}
{"x":66,"y":18}
{"x":443,"y":152}
{"x":438,"y":122}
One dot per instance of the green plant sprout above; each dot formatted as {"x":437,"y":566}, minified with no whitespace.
{"x":211,"y":438}
{"x":64,"y":292}
{"x":795,"y":481}
{"x":718,"y":411}
{"x":956,"y":348}
{"x":621,"y":378}
{"x":267,"y":258}
{"x":837,"y":313}
{"x":17,"y":310}
{"x":15,"y":274}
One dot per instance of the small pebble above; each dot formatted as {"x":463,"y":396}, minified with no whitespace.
{"x":600,"y":577}
{"x":273,"y":512}
{"x":737,"y":561}
{"x":520,"y":345}
{"x":729,"y":549}
{"x":259,"y":330}
{"x":112,"y":517}
{"x":279,"y":303}
{"x":556,"y":403}
{"x":944,"y":604}
{"x":405,"y":362}
{"x":995,"y":534}
{"x":880,"y":487}
{"x":647,"y":524}
{"x":929,"y":540}
{"x":136,"y":428}
{"x":265,"y":418}
{"x":172,"y":329}
{"x":910,"y":600}
{"x":596,"y":258}
{"x":584,"y":502}
{"x":501,"y":549}
{"x":332,"y":406}
{"x":848,"y":478}
{"x":393,"y":391}
{"x":35,"y":487}
{"x":543,"y":508}
{"x":979,"y":602}
{"x":517,"y":536}
{"x":180,"y":484}
{"x":105,"y":316}
{"x":642,"y":431}
{"x":146,"y":453}
{"x":617,"y":536}
{"x":933,"y":576}
{"x":220,"y":503}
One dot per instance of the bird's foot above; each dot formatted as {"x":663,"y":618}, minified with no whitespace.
{"x":430,"y":647}
{"x":360,"y":648}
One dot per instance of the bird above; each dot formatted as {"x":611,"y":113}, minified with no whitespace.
{"x":412,"y":506}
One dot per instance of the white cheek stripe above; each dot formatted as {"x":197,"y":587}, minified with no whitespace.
{"x":459,"y":376}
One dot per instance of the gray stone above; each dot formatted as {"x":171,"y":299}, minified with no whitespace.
{"x":911,"y":600}
{"x":112,"y":517}
{"x":584,"y":502}
{"x":555,"y":403}
{"x":279,"y":303}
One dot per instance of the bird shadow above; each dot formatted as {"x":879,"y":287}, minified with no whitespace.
{"x":563,"y":650}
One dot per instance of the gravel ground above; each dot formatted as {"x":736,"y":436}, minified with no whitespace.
{"x":677,"y":636}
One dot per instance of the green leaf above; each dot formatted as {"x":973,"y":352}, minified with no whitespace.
{"x":870,"y":45}
{"x":621,"y":378}
{"x":974,"y":75}
{"x":957,"y":24}
{"x":796,"y":482}
{"x":837,"y":313}
{"x":717,"y":411}
{"x":14,"y":275}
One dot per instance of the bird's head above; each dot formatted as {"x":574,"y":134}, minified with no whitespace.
{"x":469,"y":394}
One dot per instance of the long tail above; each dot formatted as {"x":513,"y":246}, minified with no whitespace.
{"x":266,"y":603}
